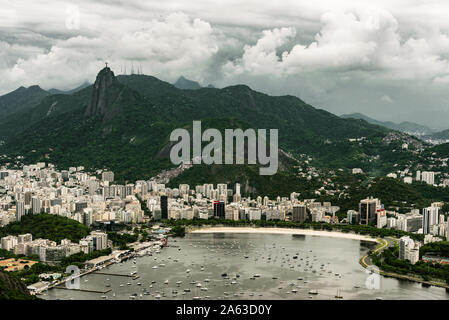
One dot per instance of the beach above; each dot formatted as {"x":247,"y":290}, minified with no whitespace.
{"x":306,"y":232}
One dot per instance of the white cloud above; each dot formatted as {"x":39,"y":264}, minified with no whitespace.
{"x":169,"y":47}
{"x":366,"y":43}
{"x":262,"y":57}
{"x":176,"y":44}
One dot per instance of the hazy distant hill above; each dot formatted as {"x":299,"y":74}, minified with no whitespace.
{"x":441,"y":135}
{"x":405,"y":126}
{"x":57,"y":91}
{"x":183,"y":83}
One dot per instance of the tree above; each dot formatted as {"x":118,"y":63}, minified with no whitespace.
{"x":178,"y":231}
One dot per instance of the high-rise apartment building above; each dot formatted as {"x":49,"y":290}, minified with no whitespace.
{"x":368,"y":210}
{"x":164,"y":207}
{"x":299,"y":213}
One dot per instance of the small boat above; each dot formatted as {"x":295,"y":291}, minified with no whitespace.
{"x":313,"y":291}
{"x":338,"y":295}
{"x":166,"y":282}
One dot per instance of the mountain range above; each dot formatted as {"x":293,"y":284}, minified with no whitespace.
{"x":186,"y":84}
{"x":423,"y":132}
{"x":57,"y":91}
{"x":123,"y":123}
{"x":405,"y":126}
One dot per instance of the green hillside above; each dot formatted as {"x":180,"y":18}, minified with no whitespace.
{"x":123,"y":123}
{"x":11,"y":288}
{"x":21,"y":99}
{"x":49,"y":107}
{"x":47,"y":226}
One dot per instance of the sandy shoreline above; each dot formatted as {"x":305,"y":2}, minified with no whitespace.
{"x":307,"y":232}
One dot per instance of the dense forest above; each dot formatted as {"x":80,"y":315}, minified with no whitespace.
{"x":47,"y":226}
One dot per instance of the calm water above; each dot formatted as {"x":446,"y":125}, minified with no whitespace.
{"x":208,"y":256}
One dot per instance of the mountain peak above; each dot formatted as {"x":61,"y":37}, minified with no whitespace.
{"x":186,"y":84}
{"x":104,"y":86}
{"x":405,"y":126}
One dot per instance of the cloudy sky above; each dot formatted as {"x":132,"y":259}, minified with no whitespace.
{"x":386,"y":59}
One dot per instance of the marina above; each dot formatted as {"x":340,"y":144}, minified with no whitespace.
{"x":247,"y":266}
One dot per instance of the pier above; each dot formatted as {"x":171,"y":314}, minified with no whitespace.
{"x":83,"y":290}
{"x":118,"y":275}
